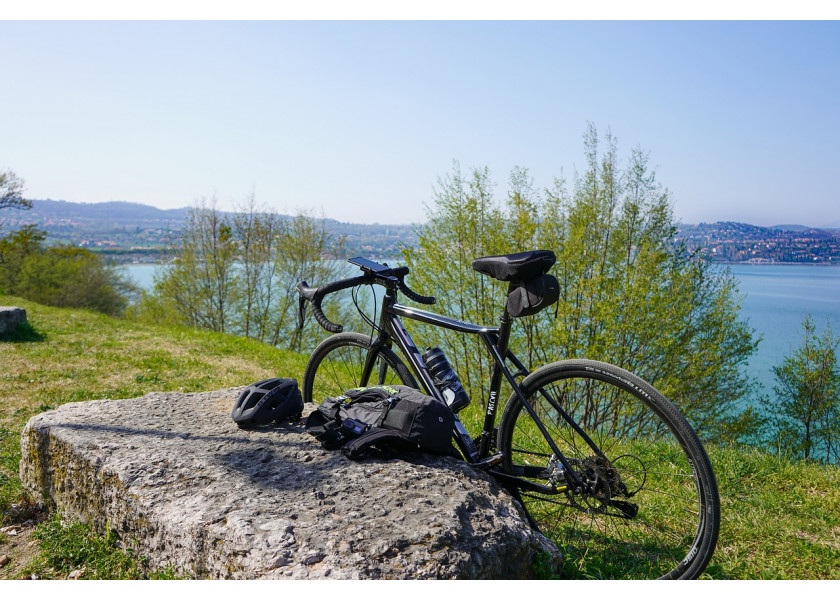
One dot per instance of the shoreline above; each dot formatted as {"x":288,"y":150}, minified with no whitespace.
{"x":747,"y":263}
{"x":726,"y":263}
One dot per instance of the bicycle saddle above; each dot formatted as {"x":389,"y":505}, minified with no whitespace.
{"x":521,"y":266}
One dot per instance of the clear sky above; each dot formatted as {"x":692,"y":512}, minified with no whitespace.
{"x":359,"y":119}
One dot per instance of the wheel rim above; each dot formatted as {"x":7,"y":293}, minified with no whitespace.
{"x":640,"y":513}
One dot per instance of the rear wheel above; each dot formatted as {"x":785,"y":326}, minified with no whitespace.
{"x":648,"y":507}
{"x":337,"y":364}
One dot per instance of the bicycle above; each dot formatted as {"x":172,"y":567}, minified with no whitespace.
{"x":603,"y":464}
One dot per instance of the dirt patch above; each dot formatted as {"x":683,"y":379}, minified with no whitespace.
{"x":19,"y":547}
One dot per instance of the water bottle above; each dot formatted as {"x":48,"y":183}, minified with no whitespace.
{"x":445,"y":379}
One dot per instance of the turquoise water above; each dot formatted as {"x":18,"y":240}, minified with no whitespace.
{"x":143,"y":275}
{"x":777,"y":299}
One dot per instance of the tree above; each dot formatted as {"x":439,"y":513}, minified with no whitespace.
{"x":60,"y":275}
{"x":628,"y":294}
{"x":807,"y":403}
{"x":11,"y":188}
{"x":14,"y":248}
{"x":73,"y":277}
{"x":306,"y":251}
{"x":465,"y":222}
{"x":237,"y":273}
{"x":201,"y":283}
{"x":57,"y":276}
{"x":257,"y":231}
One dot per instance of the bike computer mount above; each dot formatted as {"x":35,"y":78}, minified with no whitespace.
{"x":370,"y":266}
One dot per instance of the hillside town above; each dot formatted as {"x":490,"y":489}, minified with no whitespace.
{"x":129,"y":232}
{"x":738,"y":242}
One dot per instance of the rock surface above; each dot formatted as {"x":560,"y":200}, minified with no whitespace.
{"x":173,"y":473}
{"x":10,"y":316}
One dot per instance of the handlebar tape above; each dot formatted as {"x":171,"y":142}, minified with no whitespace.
{"x":414,"y":295}
{"x":324,"y":322}
{"x":316,"y":295}
{"x":400,"y":273}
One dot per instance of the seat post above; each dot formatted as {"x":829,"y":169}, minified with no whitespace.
{"x":505,"y":323}
{"x":488,"y":436}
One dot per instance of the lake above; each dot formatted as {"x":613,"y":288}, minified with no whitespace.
{"x":142,"y":274}
{"x":777,"y":298}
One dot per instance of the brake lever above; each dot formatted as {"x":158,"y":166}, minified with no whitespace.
{"x":302,"y":298}
{"x":301,"y":312}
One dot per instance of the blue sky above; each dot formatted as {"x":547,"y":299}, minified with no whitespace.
{"x":357,"y":120}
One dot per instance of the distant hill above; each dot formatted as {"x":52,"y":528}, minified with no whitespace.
{"x":129,"y":226}
{"x":726,"y":241}
{"x":102,"y":211}
{"x":125,"y":229}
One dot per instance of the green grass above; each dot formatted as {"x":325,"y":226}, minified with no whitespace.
{"x":781,"y":519}
{"x":75,"y":547}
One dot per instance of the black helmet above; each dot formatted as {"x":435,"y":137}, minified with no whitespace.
{"x":266,"y":401}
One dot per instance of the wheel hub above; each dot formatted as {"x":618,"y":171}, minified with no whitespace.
{"x":603,"y":488}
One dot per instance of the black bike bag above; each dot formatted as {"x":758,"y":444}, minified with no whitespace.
{"x":532,"y":296}
{"x":383,"y":418}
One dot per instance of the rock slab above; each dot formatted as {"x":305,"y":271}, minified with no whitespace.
{"x":174,"y":476}
{"x":10,"y":316}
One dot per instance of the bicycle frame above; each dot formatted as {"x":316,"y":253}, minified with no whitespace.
{"x":530,"y":468}
{"x":496,"y":340}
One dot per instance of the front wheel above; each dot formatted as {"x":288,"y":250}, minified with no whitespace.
{"x":648,"y":505}
{"x":337,"y":364}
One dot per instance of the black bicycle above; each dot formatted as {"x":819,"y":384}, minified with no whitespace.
{"x":603,"y":463}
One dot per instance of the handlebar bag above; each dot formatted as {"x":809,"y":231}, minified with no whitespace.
{"x":532,"y":296}
{"x":384,"y":418}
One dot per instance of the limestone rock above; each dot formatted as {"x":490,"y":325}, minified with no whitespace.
{"x":172,"y":472}
{"x":10,"y":316}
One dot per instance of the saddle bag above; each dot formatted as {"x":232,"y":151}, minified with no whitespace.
{"x":383,"y":420}
{"x":531,"y":296}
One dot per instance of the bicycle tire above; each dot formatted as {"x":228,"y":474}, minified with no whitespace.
{"x":336,"y":365}
{"x":650,"y":449}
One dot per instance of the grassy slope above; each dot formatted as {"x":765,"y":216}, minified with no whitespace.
{"x":780,"y":519}
{"x":77,"y":355}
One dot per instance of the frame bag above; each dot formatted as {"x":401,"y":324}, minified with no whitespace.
{"x":383,"y":420}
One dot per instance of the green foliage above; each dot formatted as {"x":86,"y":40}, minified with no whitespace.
{"x":15,"y":247}
{"x":60,"y":275}
{"x":73,"y":277}
{"x":628,"y":294}
{"x":200,"y":285}
{"x":807,"y":402}
{"x":238,"y":274}
{"x":465,"y":223}
{"x":11,"y":188}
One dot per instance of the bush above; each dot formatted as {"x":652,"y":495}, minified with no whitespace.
{"x":60,"y":276}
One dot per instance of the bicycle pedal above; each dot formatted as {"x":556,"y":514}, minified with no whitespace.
{"x":490,"y":461}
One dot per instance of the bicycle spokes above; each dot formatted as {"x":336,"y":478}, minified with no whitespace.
{"x":631,"y":506}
